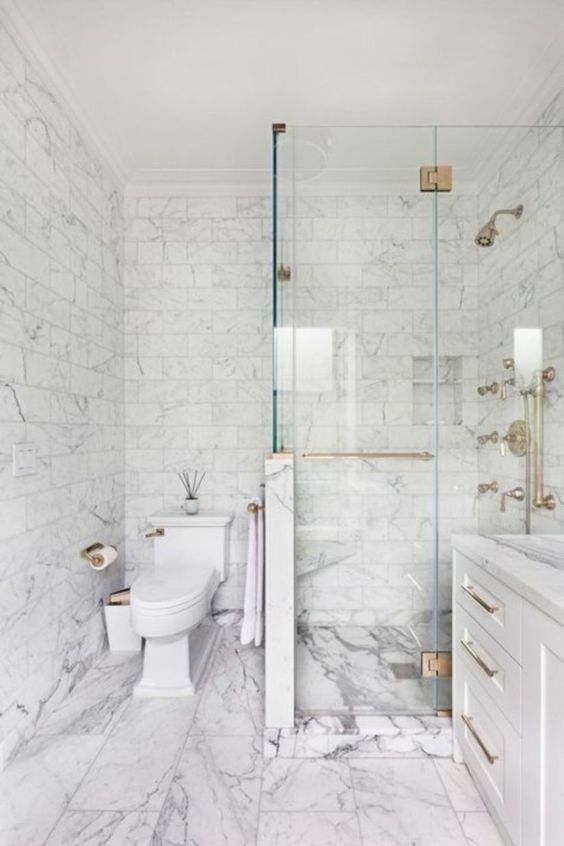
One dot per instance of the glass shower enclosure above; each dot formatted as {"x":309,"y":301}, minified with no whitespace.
{"x":381,"y":338}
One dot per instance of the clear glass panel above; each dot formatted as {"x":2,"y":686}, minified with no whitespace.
{"x":363,"y":378}
{"x":393,"y":318}
{"x":282,"y":300}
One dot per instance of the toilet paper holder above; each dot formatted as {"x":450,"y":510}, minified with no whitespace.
{"x":89,"y":553}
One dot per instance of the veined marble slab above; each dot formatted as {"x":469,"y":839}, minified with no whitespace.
{"x":538,"y":582}
{"x":279,"y":592}
{"x":362,"y":737}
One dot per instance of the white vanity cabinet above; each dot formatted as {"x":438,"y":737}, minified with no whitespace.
{"x":543,"y":730}
{"x":508,"y":708}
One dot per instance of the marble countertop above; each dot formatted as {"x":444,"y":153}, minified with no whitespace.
{"x":531,"y":565}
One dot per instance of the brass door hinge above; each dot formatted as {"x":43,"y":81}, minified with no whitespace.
{"x":436,"y":665}
{"x":284,"y":273}
{"x":435,"y":178}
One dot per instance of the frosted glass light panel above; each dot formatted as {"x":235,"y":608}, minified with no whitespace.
{"x":313,"y":356}
{"x":527,"y":353}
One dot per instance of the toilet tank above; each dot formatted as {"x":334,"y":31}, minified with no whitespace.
{"x":186,"y":539}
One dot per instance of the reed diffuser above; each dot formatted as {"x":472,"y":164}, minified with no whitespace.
{"x":191,"y":485}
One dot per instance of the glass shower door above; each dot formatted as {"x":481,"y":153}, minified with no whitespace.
{"x":364,"y":371}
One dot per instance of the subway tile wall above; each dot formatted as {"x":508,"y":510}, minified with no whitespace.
{"x":61,"y":389}
{"x":198,"y":362}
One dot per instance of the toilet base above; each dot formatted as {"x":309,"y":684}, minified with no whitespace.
{"x":173,"y":666}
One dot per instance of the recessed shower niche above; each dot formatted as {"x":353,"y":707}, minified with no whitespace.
{"x":449,"y":390}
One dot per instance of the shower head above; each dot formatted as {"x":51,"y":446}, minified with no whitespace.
{"x":488,"y":233}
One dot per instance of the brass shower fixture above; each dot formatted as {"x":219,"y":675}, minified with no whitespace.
{"x":493,"y":388}
{"x":488,"y":233}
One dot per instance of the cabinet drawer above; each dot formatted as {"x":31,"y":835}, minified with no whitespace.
{"x":481,"y":657}
{"x":492,"y":751}
{"x":491,"y":603}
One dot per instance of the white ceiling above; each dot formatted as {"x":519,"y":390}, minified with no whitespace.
{"x":174,"y":87}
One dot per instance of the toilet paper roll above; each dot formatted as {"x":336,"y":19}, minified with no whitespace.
{"x":102,"y":558}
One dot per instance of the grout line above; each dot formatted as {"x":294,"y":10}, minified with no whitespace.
{"x":360,"y":837}
{"x":454,"y":811}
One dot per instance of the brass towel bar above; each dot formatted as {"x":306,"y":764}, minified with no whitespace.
{"x":421,"y":455}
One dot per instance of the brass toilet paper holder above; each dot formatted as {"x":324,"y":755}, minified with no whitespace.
{"x":90,"y":553}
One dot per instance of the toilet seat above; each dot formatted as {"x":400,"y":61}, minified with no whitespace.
{"x":173,"y":587}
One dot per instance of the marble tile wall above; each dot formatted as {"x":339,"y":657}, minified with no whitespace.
{"x":61,"y":389}
{"x":522,"y":285}
{"x":198,"y":361}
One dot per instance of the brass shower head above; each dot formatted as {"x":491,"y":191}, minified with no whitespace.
{"x":488,"y":233}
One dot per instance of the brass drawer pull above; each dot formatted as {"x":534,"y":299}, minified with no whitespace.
{"x":481,"y":663}
{"x":468,"y":722}
{"x":491,"y":609}
{"x":158,"y":533}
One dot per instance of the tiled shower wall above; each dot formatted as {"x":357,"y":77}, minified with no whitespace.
{"x":61,"y":388}
{"x":198,"y":362}
{"x":522,"y":285}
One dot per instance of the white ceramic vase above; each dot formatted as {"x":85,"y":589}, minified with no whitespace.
{"x":191,"y":506}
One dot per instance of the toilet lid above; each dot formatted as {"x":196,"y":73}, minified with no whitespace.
{"x":171,"y":586}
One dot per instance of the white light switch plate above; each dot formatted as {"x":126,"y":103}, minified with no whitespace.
{"x":24,"y":459}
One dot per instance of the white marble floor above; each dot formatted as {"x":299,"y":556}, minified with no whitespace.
{"x":105,"y":770}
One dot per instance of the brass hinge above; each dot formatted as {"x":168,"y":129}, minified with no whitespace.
{"x":284,"y":273}
{"x":435,"y":178}
{"x":436,"y":665}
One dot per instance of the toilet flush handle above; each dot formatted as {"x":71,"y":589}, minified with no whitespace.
{"x":158,"y":533}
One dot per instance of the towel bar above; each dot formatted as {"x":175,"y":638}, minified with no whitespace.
{"x":421,"y":455}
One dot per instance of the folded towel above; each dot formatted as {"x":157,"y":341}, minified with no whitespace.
{"x":252,"y":628}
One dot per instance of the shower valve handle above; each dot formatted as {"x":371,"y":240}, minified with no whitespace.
{"x":515,"y":493}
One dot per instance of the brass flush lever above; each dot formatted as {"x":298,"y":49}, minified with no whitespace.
{"x":158,"y":533}
{"x":493,"y":437}
{"x":515,"y":493}
{"x":493,"y":388}
{"x":484,"y":487}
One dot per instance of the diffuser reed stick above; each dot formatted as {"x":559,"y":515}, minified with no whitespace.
{"x":191,"y":485}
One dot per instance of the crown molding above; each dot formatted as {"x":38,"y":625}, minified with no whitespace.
{"x":21,"y":30}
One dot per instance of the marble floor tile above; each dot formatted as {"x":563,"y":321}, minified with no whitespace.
{"x":460,"y":788}
{"x":233,"y":697}
{"x":134,"y":770}
{"x":359,"y":668}
{"x":480,"y":829}
{"x":403,"y":802}
{"x":110,"y":828}
{"x":308,"y":829}
{"x":36,"y":787}
{"x":306,"y":785}
{"x":214,"y":795}
{"x":97,"y":700}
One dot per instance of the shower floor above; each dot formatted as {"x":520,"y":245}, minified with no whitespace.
{"x":360,"y":670}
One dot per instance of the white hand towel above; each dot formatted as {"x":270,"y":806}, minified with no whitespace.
{"x":253,"y":624}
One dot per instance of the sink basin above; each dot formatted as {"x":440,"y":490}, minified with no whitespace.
{"x":546,"y":548}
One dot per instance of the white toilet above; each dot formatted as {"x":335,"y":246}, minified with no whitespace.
{"x":168,"y":603}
